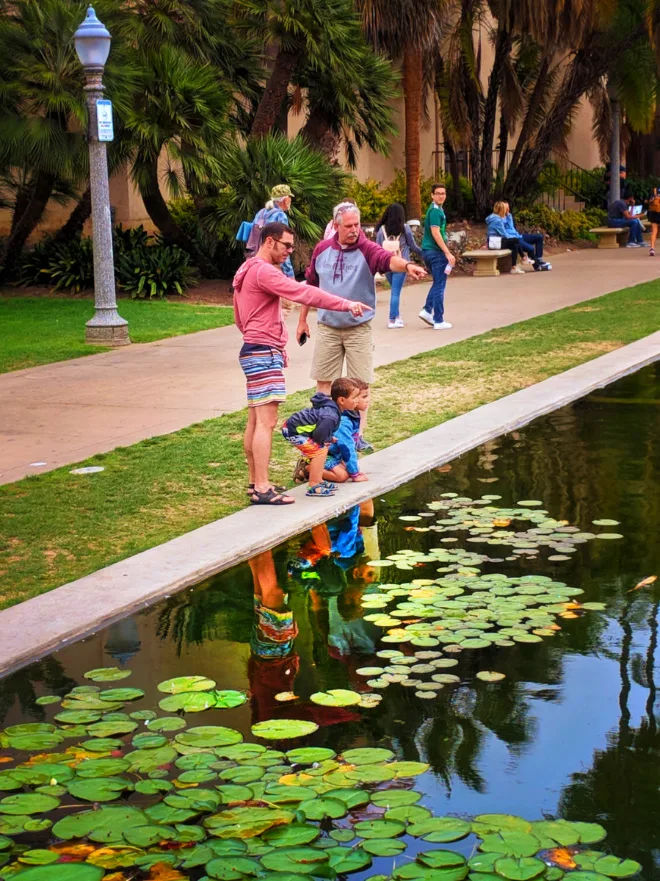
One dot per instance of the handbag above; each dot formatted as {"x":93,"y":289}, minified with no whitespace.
{"x":494,"y":243}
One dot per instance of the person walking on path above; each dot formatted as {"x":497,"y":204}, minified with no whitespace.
{"x":620,"y":215}
{"x":395,"y":236}
{"x":438,"y":258}
{"x":275,"y":211}
{"x":259,"y":286}
{"x":497,"y":229}
{"x":654,"y":218}
{"x":347,"y":263}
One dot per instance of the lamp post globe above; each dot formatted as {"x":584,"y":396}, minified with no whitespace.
{"x":107,"y":327}
{"x":92,"y":40}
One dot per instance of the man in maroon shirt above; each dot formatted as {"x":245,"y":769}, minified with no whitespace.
{"x":259,"y":286}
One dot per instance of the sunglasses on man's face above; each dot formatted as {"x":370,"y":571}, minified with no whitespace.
{"x":288,"y":245}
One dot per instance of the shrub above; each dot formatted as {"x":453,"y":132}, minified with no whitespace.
{"x":372,"y":198}
{"x":144,"y":266}
{"x":154,"y":271}
{"x":64,"y":265}
{"x":563,"y":225}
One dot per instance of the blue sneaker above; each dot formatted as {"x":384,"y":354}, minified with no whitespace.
{"x":363,"y":446}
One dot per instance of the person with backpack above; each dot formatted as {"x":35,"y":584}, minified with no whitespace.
{"x":395,"y":236}
{"x":653,"y":217}
{"x":275,"y":211}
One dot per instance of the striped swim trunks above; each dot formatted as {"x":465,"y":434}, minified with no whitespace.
{"x":263,"y":367}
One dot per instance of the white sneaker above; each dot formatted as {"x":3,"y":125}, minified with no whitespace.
{"x":441,"y":325}
{"x":644,"y":245}
{"x":426,"y":316}
{"x":399,"y":322}
{"x":633,"y":245}
{"x":392,"y":325}
{"x":516,"y":270}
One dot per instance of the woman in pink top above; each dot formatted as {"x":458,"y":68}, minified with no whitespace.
{"x":259,"y":286}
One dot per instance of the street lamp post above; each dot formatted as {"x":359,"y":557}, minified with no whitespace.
{"x":107,"y":327}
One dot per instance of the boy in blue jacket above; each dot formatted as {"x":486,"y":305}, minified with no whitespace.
{"x":342,"y":462}
{"x":314,"y":429}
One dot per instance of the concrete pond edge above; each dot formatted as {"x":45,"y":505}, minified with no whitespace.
{"x":39,"y":626}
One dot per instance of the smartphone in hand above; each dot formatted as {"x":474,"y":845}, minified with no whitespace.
{"x":303,"y":339}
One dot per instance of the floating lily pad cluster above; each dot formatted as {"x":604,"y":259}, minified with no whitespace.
{"x":463,"y":609}
{"x":158,"y":799}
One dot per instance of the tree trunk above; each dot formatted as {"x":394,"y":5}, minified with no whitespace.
{"x":412,"y":88}
{"x":41,"y":191}
{"x":456,"y":197}
{"x":615,"y":150}
{"x":77,"y":219}
{"x":530,"y":116}
{"x":160,"y":214}
{"x":586,"y":68}
{"x":483,"y":182}
{"x":318,"y":133}
{"x":502,"y":147}
{"x":270,"y":105}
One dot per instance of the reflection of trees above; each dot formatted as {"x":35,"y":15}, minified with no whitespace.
{"x":22,"y":687}
{"x":622,"y":788}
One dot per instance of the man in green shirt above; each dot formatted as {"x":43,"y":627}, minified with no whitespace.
{"x":437,"y":257}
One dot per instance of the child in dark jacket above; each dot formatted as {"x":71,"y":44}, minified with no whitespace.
{"x":312,"y":430}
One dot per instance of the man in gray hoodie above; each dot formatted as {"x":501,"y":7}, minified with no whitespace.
{"x":346,"y":265}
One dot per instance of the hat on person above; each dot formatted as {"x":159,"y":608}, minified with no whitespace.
{"x":281,"y":191}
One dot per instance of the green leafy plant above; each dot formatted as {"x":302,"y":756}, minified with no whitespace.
{"x":66,"y":266}
{"x":563,"y":225}
{"x":154,"y":271}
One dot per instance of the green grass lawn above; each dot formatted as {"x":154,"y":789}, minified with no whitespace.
{"x":40,"y":330}
{"x":55,"y":527}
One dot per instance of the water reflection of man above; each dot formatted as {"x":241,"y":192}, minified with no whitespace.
{"x":274,"y":663}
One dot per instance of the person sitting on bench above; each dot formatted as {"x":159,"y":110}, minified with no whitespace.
{"x":530,"y":243}
{"x":496,"y":229}
{"x":620,"y":214}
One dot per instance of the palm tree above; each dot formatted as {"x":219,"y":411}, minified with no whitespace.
{"x":406,"y":30}
{"x":296,"y":32}
{"x":344,"y":108}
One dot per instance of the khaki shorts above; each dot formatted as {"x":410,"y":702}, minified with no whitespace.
{"x":333,"y":344}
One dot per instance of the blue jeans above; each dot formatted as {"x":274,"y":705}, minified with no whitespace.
{"x":435,"y":302}
{"x":636,"y":229}
{"x":396,"y":280}
{"x":532,"y":243}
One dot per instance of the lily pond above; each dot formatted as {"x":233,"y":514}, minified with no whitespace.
{"x":454,"y":681}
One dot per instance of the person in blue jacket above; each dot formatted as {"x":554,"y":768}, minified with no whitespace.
{"x":496,"y":226}
{"x":530,"y":243}
{"x":275,"y":211}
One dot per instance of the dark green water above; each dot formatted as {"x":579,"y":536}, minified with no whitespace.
{"x":571,"y":732}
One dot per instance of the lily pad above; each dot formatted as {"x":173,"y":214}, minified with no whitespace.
{"x":107,"y":674}
{"x":307,"y":755}
{"x":231,"y":868}
{"x":105,"y":825}
{"x":490,"y":676}
{"x":28,"y":803}
{"x":299,"y":860}
{"x":229,"y":698}
{"x":167,"y":723}
{"x":383,"y":847}
{"x":440,"y":829}
{"x":284,"y":729}
{"x":336,"y":697}
{"x":121,"y":694}
{"x":188,"y":702}
{"x":367,"y":755}
{"x":521,"y":869}
{"x":99,"y":790}
{"x":64,"y":872}
{"x":294,"y":835}
{"x":182,"y":684}
{"x":379,"y":829}
{"x":391,"y":798}
{"x":613,"y":867}
{"x":206,"y":736}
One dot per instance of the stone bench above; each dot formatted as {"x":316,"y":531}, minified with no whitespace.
{"x":487,"y":261}
{"x":611,"y":236}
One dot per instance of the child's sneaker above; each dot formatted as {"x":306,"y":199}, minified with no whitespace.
{"x":652,"y":252}
{"x":363,"y":446}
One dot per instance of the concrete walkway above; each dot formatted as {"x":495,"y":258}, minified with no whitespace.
{"x":62,"y":413}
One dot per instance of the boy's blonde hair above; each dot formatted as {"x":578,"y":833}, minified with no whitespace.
{"x":500,"y":208}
